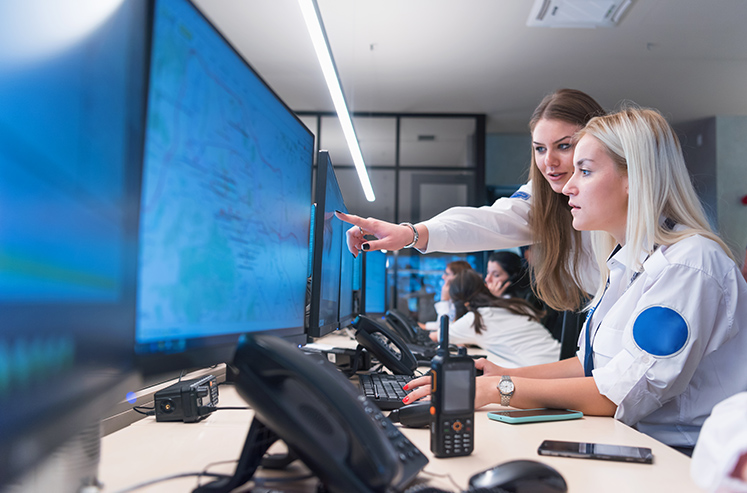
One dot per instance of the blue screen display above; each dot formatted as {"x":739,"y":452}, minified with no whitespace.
{"x":72,"y":101}
{"x":226,"y":193}
{"x":63,"y":151}
{"x":375,"y":290}
{"x":331,"y":230}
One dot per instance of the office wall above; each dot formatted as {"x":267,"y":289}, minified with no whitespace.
{"x":716,"y":156}
{"x":731,"y":176}
{"x":507,"y":158}
{"x":698,"y":139}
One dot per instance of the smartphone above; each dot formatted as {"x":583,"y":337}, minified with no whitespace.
{"x":534,"y":415}
{"x":599,"y":451}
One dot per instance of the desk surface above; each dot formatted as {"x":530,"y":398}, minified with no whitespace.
{"x":146,"y":450}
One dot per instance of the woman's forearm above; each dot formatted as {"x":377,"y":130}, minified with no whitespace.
{"x":567,"y":368}
{"x":580,"y":394}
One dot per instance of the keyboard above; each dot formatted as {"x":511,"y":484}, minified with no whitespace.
{"x":383,"y":389}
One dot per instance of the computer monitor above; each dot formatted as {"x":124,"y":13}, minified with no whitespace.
{"x":71,"y":127}
{"x":225,"y":205}
{"x":349,"y":282}
{"x":327,"y":250}
{"x":375,"y":282}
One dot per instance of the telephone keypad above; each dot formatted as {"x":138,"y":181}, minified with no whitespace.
{"x":457,"y":436}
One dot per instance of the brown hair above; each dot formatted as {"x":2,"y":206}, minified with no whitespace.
{"x":458,"y":266}
{"x":468,"y":288}
{"x":557,"y":246}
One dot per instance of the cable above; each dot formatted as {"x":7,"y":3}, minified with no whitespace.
{"x":424,"y":488}
{"x":288,"y":479}
{"x":169,"y":478}
{"x":447,"y":476}
{"x":146,"y":411}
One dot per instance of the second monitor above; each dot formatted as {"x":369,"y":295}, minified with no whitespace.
{"x":327,"y":240}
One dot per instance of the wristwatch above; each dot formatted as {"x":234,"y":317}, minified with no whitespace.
{"x":506,"y":388}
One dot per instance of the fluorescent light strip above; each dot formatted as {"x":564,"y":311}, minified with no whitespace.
{"x":313,"y":19}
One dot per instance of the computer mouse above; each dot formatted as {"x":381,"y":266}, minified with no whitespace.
{"x":519,"y":476}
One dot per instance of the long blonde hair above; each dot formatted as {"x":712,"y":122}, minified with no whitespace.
{"x":556,"y":246}
{"x":643,"y":145}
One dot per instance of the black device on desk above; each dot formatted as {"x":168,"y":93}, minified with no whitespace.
{"x":599,"y":451}
{"x":188,"y":400}
{"x":519,"y":476}
{"x":452,"y":400}
{"x":383,"y":388}
{"x":408,"y":328}
{"x":305,"y":401}
{"x":418,"y":340}
{"x":385,"y":345}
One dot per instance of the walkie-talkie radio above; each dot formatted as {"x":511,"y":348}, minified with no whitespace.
{"x":452,"y":400}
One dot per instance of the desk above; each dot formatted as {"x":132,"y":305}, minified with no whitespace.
{"x":147,"y":450}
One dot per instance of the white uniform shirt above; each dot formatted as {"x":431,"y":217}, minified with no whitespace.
{"x":722,"y":442}
{"x":512,"y":340}
{"x":668,"y":347}
{"x":505,"y":224}
{"x":443,"y":307}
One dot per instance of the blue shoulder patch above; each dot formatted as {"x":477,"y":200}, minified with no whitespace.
{"x":660,"y":331}
{"x":520,"y":195}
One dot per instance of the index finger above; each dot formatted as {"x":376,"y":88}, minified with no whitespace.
{"x":354,"y":220}
{"x":418,"y":382}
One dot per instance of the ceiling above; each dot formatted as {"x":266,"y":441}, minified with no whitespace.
{"x":688,"y":58}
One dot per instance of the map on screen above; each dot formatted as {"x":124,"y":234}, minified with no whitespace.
{"x":226,"y":191}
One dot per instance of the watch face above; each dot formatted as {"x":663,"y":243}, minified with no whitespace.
{"x":506,"y":387}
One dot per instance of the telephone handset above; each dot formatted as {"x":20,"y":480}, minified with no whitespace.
{"x":402,"y":324}
{"x":305,"y":401}
{"x":385,"y":345}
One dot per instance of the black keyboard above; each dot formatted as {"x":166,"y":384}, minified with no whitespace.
{"x":384,"y":389}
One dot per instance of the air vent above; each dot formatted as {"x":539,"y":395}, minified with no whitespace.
{"x":577,"y":13}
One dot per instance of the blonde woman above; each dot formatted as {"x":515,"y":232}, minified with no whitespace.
{"x":666,"y":333}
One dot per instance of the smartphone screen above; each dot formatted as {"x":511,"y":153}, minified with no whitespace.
{"x":599,"y":451}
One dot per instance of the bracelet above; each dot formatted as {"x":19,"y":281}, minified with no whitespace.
{"x":415,"y":234}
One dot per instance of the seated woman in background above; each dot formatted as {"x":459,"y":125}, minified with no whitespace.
{"x":508,"y":328}
{"x":507,"y":276}
{"x":666,"y":337}
{"x":445,"y":306}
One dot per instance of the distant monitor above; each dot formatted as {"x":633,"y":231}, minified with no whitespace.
{"x":72,"y":93}
{"x":225,"y":204}
{"x":375,"y":282}
{"x":327,"y":250}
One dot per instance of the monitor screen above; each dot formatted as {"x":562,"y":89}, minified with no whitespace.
{"x":226,"y":201}
{"x":327,"y":250}
{"x":375,"y":282}
{"x":348,"y":277}
{"x":72,"y":93}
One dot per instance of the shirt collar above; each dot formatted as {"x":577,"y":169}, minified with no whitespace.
{"x":619,"y":258}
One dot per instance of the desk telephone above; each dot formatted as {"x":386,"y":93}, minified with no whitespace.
{"x":305,"y":401}
{"x":407,"y":328}
{"x":387,"y":346}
